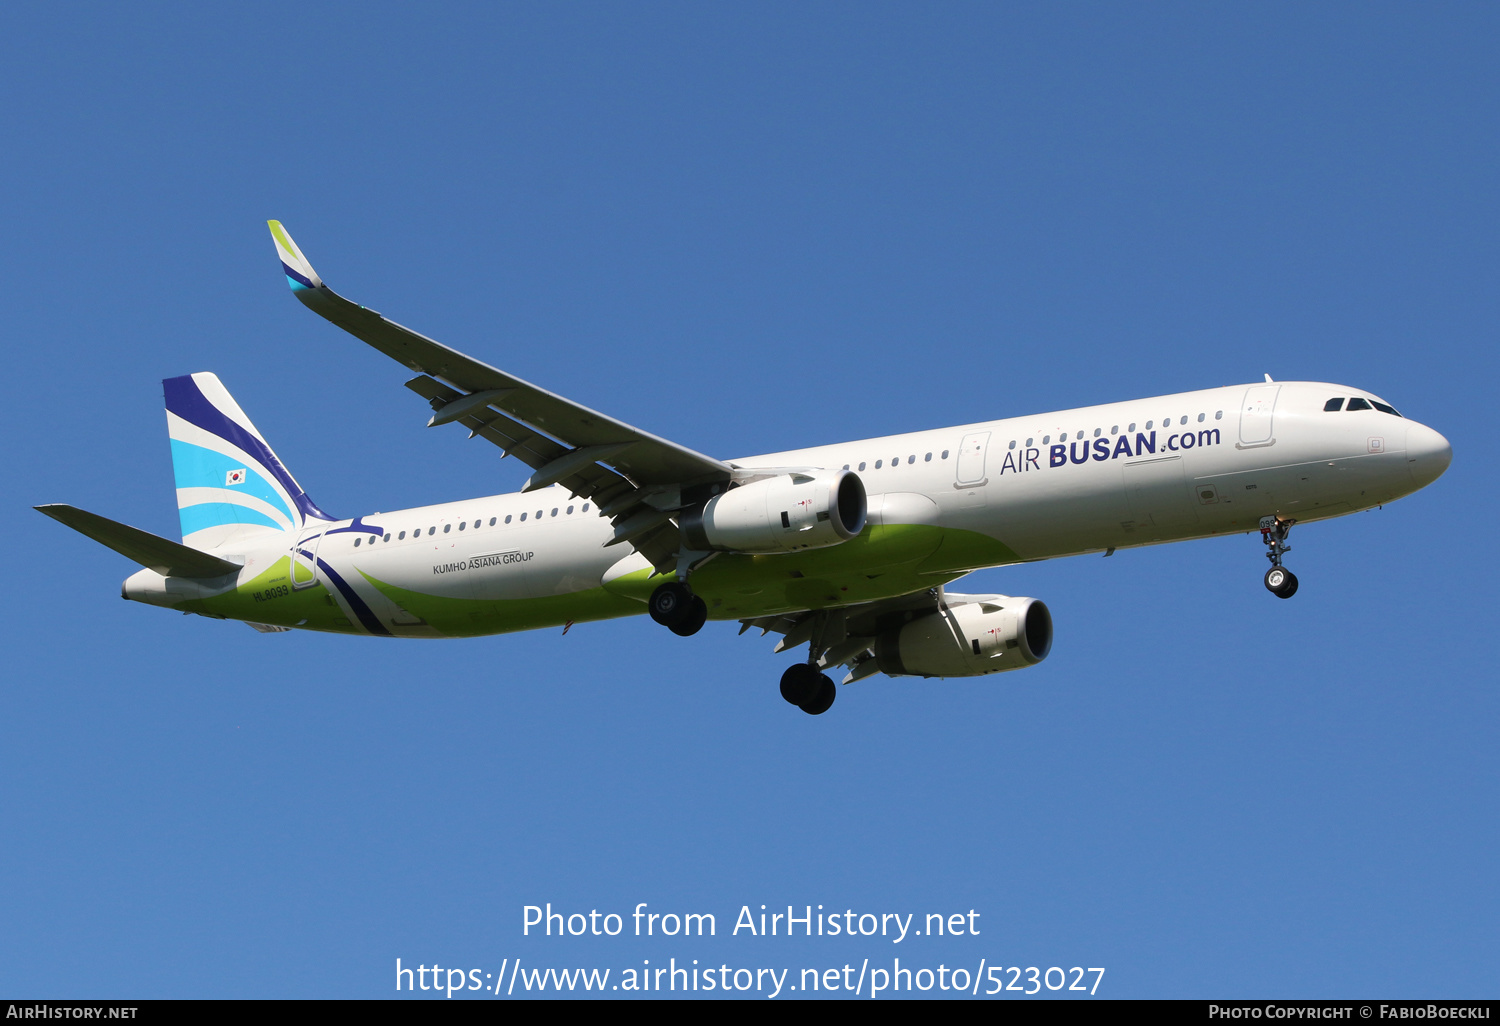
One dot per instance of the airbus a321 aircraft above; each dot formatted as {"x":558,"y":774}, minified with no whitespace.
{"x":846,"y":549}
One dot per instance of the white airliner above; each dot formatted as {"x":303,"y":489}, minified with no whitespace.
{"x":846,"y":549}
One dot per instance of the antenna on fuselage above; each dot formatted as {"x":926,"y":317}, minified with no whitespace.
{"x":1269,"y":381}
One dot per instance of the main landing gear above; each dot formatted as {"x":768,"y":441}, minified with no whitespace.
{"x":807,"y":689}
{"x":676,"y":608}
{"x":1280,"y":581}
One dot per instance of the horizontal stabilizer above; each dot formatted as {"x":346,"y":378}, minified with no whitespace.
{"x":168,"y":558}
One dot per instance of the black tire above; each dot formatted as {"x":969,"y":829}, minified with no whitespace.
{"x":824,"y":698}
{"x":800,"y":683}
{"x":1281,"y":582}
{"x":697,"y":617}
{"x":1275,"y":579}
{"x":671,"y":604}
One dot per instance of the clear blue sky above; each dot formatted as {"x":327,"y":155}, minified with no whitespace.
{"x":748,"y":228}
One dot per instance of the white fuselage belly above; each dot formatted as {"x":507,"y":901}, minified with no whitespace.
{"x":1219,"y":472}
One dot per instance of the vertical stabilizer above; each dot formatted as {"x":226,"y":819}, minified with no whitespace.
{"x":231,"y":488}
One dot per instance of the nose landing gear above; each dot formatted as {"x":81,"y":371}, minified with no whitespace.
{"x":676,"y":608}
{"x":1280,"y":581}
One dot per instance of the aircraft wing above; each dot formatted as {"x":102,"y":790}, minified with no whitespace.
{"x":846,"y":636}
{"x":635,"y":477}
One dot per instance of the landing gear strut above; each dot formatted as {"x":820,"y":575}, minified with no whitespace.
{"x":807,"y":689}
{"x":1280,"y":581}
{"x":676,"y":608}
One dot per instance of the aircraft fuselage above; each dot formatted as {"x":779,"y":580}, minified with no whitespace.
{"x":940,"y":503}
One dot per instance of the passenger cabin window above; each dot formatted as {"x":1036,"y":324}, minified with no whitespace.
{"x":1130,"y":428}
{"x":447,"y":528}
{"x":1201,"y":417}
{"x":1383,"y":408}
{"x":928,"y":457}
{"x":879,"y":464}
{"x":1333,"y":405}
{"x":463,"y":525}
{"x":1012,"y":445}
{"x":1218,"y":415}
{"x":1030,"y":443}
{"x":492,"y":521}
{"x":945,"y":454}
{"x":523,"y":517}
{"x":386,"y":538}
{"x":401,"y":536}
{"x":1356,"y":404}
{"x":861,"y":466}
{"x":356,"y":543}
{"x":431,"y":531}
{"x":507,"y":518}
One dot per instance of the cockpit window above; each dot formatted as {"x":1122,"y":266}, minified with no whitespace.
{"x":1357,"y":404}
{"x":1383,"y":408}
{"x":1333,"y":405}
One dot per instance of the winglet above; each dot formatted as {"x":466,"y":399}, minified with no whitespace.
{"x":299,"y":273}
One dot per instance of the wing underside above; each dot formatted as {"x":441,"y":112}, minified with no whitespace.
{"x":847,"y":636}
{"x":636,"y":478}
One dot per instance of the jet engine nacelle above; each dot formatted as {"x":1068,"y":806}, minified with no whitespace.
{"x":785,"y":513}
{"x":990,"y":635}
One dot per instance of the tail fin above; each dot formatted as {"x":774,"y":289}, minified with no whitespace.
{"x":231,"y":488}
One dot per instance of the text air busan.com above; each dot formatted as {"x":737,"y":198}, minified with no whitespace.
{"x":869,"y":977}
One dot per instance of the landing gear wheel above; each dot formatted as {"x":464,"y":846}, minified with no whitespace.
{"x":675,"y":607}
{"x":697,"y":617}
{"x":1281,"y":582}
{"x":800,"y":683}
{"x":820,"y":702}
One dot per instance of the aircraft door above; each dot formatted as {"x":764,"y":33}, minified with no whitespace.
{"x":305,"y":560}
{"x":971,"y":453}
{"x":1255,"y":415}
{"x":970,"y":469}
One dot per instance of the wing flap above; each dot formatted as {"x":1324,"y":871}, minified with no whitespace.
{"x":846,"y":636}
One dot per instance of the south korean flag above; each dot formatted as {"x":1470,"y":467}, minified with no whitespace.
{"x":235,"y":477}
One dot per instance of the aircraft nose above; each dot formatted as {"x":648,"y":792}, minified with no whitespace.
{"x":1427,"y":454}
